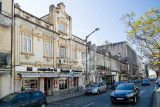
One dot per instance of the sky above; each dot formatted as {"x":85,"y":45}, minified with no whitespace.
{"x":90,"y":14}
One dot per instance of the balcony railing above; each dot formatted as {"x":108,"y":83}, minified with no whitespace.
{"x":5,"y":19}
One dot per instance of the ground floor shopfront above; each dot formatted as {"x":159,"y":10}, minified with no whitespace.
{"x":49,"y":83}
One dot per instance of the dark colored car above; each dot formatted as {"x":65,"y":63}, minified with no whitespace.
{"x":24,"y":99}
{"x":123,"y":82}
{"x":157,"y":81}
{"x":125,"y":93}
{"x":152,"y":79}
{"x":145,"y":82}
{"x":115,"y":85}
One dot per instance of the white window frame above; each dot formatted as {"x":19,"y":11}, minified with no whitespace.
{"x":28,"y":39}
{"x":48,"y":48}
{"x":62,"y":27}
{"x":74,"y":54}
{"x":63,"y":51}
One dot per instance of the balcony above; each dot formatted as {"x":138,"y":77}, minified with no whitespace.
{"x":102,"y":67}
{"x":64,"y":63}
{"x":5,"y":19}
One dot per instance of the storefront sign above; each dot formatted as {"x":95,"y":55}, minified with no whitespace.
{"x":55,"y":83}
{"x":46,"y":69}
{"x":72,"y":73}
{"x":29,"y":68}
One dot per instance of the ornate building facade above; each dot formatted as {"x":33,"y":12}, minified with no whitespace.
{"x":48,"y":57}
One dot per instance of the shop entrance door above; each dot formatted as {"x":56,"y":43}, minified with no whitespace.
{"x":47,"y":86}
{"x":75,"y":84}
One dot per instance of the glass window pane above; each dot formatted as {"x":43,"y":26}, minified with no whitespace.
{"x":29,"y":46}
{"x":24,"y":45}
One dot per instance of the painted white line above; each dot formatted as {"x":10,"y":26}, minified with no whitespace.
{"x":143,"y":91}
{"x":89,"y":104}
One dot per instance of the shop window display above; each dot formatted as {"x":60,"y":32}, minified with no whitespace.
{"x":63,"y":84}
{"x":29,"y":84}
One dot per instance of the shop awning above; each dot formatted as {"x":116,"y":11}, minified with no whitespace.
{"x":38,"y":75}
{"x":68,"y":75}
{"x":5,"y":70}
{"x":110,"y":74}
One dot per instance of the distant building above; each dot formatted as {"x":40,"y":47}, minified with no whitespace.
{"x":126,"y":52}
{"x":104,"y":66}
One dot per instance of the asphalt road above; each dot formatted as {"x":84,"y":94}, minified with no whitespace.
{"x":103,"y":100}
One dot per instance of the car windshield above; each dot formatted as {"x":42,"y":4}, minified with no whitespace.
{"x":145,"y":80}
{"x":8,"y":97}
{"x":125,"y":87}
{"x":93,"y":85}
{"x":117,"y":83}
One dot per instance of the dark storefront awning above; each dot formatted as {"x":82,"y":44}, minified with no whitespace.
{"x":5,"y":70}
{"x":38,"y":75}
{"x":110,"y":74}
{"x":68,"y":75}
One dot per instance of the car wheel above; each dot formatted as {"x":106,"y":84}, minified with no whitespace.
{"x":43,"y":105}
{"x":113,"y":102}
{"x":135,"y":100}
{"x":98,"y":92}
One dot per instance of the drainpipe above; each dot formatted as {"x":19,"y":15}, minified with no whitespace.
{"x":12,"y":34}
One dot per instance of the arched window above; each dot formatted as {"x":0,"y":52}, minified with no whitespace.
{"x":62,"y":27}
{"x":63,"y":51}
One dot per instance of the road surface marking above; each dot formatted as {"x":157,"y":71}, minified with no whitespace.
{"x":89,"y":104}
{"x":143,"y":91}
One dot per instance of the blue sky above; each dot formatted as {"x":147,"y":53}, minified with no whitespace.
{"x":90,"y":14}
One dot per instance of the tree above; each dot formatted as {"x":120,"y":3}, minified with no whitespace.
{"x":144,"y":32}
{"x":106,"y":42}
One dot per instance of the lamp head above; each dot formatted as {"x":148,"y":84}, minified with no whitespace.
{"x":96,"y":29}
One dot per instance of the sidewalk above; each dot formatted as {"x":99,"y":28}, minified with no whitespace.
{"x":156,"y":98}
{"x":52,"y":99}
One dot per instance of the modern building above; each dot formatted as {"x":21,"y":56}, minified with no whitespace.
{"x":126,"y":53}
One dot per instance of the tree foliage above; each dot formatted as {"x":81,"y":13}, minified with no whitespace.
{"x":144,"y":32}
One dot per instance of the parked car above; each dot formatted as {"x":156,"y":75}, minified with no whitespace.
{"x":145,"y":82}
{"x":152,"y":79}
{"x":158,"y":79}
{"x":158,"y":83}
{"x":24,"y":99}
{"x":123,"y":82}
{"x":96,"y":88}
{"x":115,"y":85}
{"x":128,"y":92}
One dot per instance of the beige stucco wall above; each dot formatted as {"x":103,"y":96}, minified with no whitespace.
{"x":41,"y":84}
{"x":5,"y":39}
{"x":18,"y":85}
{"x":5,"y":84}
{"x":39,"y":36}
{"x":7,"y":5}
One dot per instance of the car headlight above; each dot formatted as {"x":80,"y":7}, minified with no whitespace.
{"x":112,"y":94}
{"x":94,"y":89}
{"x":130,"y":95}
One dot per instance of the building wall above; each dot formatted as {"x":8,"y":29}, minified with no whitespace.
{"x":124,"y":50}
{"x":5,"y":32}
{"x":7,"y":6}
{"x":5,"y":87}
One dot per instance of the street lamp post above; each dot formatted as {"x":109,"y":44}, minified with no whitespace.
{"x":87,"y":52}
